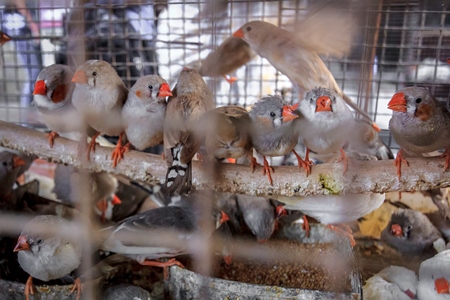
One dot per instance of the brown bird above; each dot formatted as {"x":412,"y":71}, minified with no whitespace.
{"x":99,"y":96}
{"x":227,"y":58}
{"x":191,"y":99}
{"x":273,"y":131}
{"x":419,"y":124}
{"x":224,"y":131}
{"x":293,"y":57}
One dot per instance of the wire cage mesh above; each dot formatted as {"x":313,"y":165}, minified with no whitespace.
{"x":398,"y":43}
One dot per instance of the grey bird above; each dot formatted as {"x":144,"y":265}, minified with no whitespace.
{"x":99,"y":96}
{"x":48,"y":255}
{"x":258,"y":214}
{"x":140,"y":237}
{"x":273,"y":130}
{"x":420,"y":124}
{"x":410,"y":232}
{"x":53,"y":98}
{"x":326,"y":123}
{"x":191,"y":99}
{"x":10,"y":164}
{"x":144,"y":111}
{"x":102,"y":185}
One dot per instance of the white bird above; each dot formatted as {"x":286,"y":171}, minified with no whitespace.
{"x":392,"y":283}
{"x":434,"y":276}
{"x":335,"y":209}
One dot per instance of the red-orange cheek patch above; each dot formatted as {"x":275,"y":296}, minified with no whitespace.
{"x":138,"y":94}
{"x":59,"y":93}
{"x":424,"y":112}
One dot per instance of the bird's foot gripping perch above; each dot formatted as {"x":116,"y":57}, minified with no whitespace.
{"x":165,"y":265}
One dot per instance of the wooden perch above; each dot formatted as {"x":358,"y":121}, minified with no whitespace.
{"x":362,"y":176}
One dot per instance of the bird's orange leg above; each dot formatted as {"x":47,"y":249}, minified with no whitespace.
{"x":303,"y":163}
{"x":165,"y":265}
{"x":446,"y":154}
{"x":118,"y":152}
{"x":29,"y":288}
{"x":344,"y":230}
{"x":344,"y":159}
{"x":230,"y":79}
{"x":306,"y":226}
{"x":51,"y":137}
{"x":267,"y":169}
{"x":253,"y":162}
{"x":77,"y":286}
{"x":398,"y":163}
{"x":102,"y":206}
{"x":91,"y":146}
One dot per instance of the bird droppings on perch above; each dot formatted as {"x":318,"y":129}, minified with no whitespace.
{"x":362,"y":176}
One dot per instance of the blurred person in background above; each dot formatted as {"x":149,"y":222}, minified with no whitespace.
{"x":19,"y":20}
{"x":121,"y":32}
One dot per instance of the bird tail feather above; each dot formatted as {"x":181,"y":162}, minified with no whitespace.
{"x":179,"y":175}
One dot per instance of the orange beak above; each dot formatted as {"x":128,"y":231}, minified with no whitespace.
{"x":116,"y":200}
{"x":323,"y":103}
{"x":223,"y":217}
{"x":17,"y":161}
{"x":442,"y":286}
{"x":398,"y":102}
{"x":280,"y":211}
{"x":4,"y":38}
{"x":40,"y":88}
{"x":375,"y":126}
{"x":164,"y":90}
{"x":228,"y":259}
{"x":288,"y":113}
{"x":396,"y":230}
{"x":79,"y":77}
{"x":262,"y":241}
{"x":239,"y":34}
{"x":22,"y":244}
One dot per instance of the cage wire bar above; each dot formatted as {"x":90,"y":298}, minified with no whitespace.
{"x":399,"y":43}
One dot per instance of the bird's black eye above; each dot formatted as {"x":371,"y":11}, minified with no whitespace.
{"x":409,"y":227}
{"x":39,"y":241}
{"x":5,"y":163}
{"x":272,"y":114}
{"x":150,"y":87}
{"x":94,"y":73}
{"x":249,"y":28}
{"x":311,"y":100}
{"x":418,"y":100}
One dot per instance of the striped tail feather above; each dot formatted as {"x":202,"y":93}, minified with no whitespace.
{"x":179,"y":175}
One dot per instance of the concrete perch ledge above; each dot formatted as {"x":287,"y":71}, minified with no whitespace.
{"x":361,"y":177}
